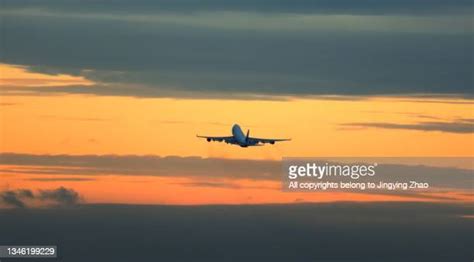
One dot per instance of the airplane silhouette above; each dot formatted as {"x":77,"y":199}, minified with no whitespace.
{"x":238,"y":138}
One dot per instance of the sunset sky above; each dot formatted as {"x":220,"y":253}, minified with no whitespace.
{"x":83,"y":83}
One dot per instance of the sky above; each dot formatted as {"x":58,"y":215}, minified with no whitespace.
{"x":102,"y":100}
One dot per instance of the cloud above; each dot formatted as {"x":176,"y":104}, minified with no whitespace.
{"x":210,"y":184}
{"x":460,"y":126}
{"x":50,"y":179}
{"x":261,"y":6}
{"x":21,"y":197}
{"x":8,"y":104}
{"x":14,"y":198}
{"x":230,"y":173}
{"x":140,"y":165}
{"x":242,"y":54}
{"x":295,"y":232}
{"x":215,"y":183}
{"x":63,"y":196}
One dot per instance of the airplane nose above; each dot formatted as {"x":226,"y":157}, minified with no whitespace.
{"x":235,"y":127}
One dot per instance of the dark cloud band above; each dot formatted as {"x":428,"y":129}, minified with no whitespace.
{"x":264,"y":6}
{"x":299,"y":232}
{"x":237,"y":55}
{"x":213,"y":169}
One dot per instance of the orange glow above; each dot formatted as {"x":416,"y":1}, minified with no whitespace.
{"x":79,"y":124}
{"x":17,"y":76}
{"x":75,"y":124}
{"x":159,"y":190}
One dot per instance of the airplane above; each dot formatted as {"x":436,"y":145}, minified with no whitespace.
{"x":238,"y":138}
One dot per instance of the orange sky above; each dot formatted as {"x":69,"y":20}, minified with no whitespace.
{"x":84,"y":124}
{"x":77,"y":124}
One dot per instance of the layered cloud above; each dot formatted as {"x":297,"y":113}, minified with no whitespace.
{"x":460,"y":126}
{"x":227,"y":173}
{"x":249,"y":49}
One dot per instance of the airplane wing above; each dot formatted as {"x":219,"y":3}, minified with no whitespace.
{"x":227,"y":139}
{"x":255,"y":140}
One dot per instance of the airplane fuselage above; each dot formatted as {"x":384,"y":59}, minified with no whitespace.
{"x":239,"y":136}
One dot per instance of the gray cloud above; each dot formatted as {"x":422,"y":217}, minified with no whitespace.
{"x":140,"y":165}
{"x":209,"y":184}
{"x":240,"y":55}
{"x":60,"y":196}
{"x":460,"y":126}
{"x":437,"y":101}
{"x":10,"y":198}
{"x":413,"y":114}
{"x":297,"y":232}
{"x":63,"y":196}
{"x":222,"y":184}
{"x":14,"y":198}
{"x":49,"y":179}
{"x":263,"y":6}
